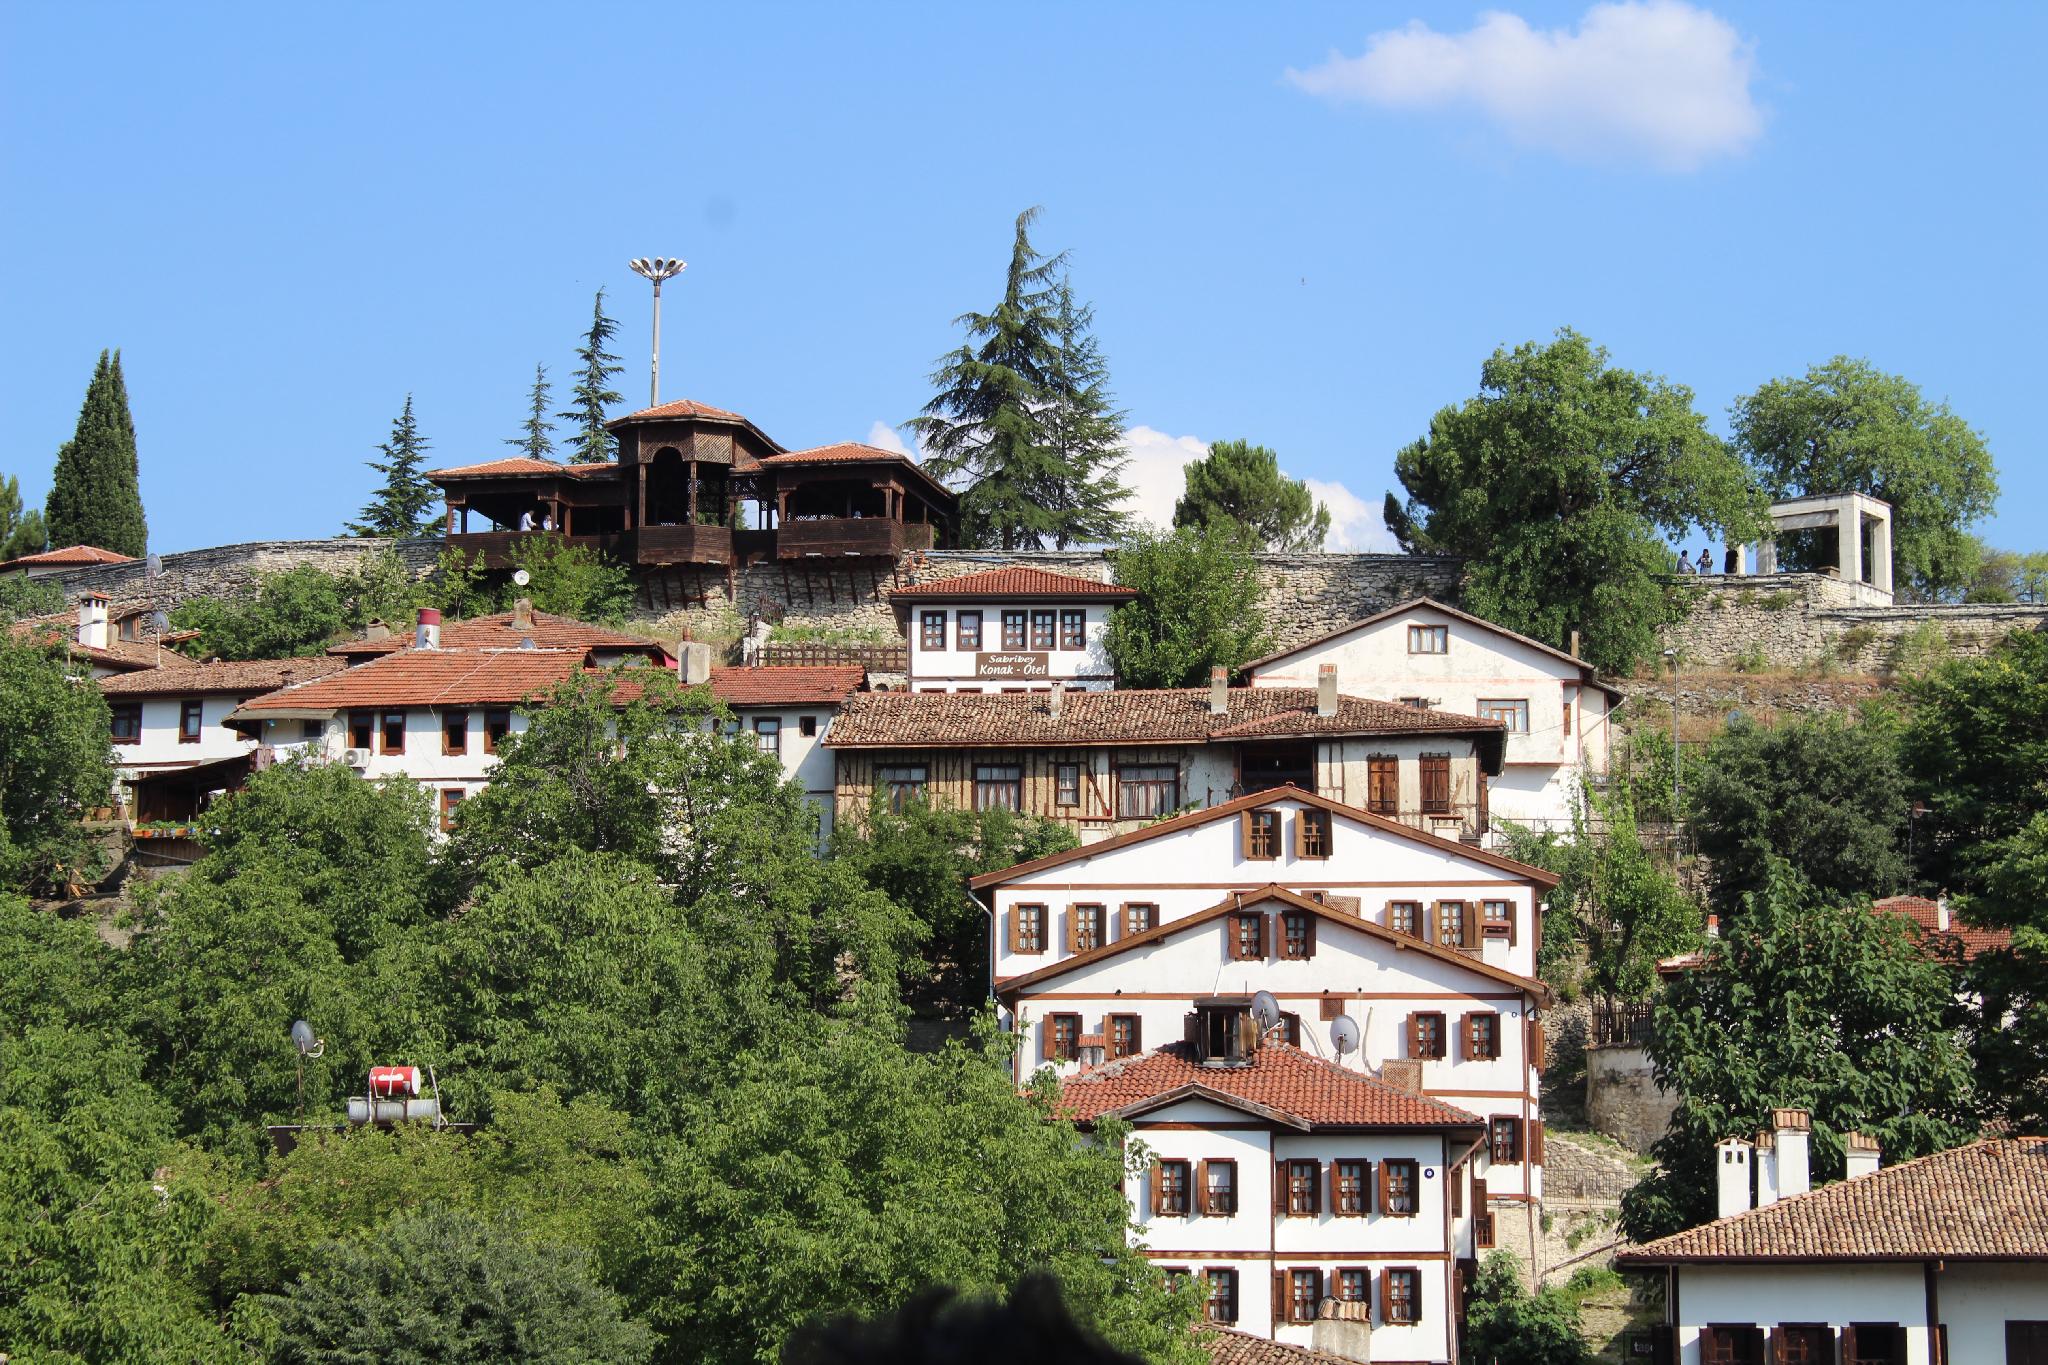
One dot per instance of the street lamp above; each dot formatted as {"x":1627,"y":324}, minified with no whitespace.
{"x":657,"y":269}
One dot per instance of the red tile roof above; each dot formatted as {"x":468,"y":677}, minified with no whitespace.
{"x":1165,"y":716}
{"x":1951,"y":941}
{"x":840,"y":452}
{"x":127,"y":655}
{"x":1228,"y":1346}
{"x":247,"y":676}
{"x":524,"y":464}
{"x":787,"y":685}
{"x":1279,"y":1078}
{"x":427,"y":677}
{"x":70,"y":554}
{"x":680,"y":407}
{"x":1012,"y":583}
{"x":1984,"y":1202}
{"x":547,"y":630}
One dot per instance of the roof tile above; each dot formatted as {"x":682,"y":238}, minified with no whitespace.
{"x":247,"y":676}
{"x":787,"y":684}
{"x":1228,"y":1346}
{"x":680,"y":407}
{"x":523,"y":464}
{"x":70,"y":554}
{"x":1011,"y":582}
{"x":1279,"y":1077}
{"x":429,"y":677}
{"x":496,"y":631}
{"x":839,"y":452}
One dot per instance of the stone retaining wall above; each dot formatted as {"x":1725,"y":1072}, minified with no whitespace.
{"x":233,"y":570}
{"x":1792,"y":620}
{"x":1623,"y":1099}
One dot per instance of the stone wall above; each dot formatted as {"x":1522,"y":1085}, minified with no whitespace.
{"x":1795,"y":620}
{"x":233,"y":570}
{"x":1622,"y":1098}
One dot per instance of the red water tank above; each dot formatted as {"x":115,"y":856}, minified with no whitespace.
{"x":394,"y":1080}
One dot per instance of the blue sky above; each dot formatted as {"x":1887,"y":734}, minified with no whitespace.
{"x":289,"y":217}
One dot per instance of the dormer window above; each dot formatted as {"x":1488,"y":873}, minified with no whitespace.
{"x":1247,"y":936}
{"x":1221,"y":1030}
{"x":1261,"y":834}
{"x":1429,"y":639}
{"x":1312,"y":834}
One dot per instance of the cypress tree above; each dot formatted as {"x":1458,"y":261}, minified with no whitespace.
{"x":1023,"y":418}
{"x":399,"y":507}
{"x":96,"y":495}
{"x":590,"y":443}
{"x":536,"y":440}
{"x":21,"y":528}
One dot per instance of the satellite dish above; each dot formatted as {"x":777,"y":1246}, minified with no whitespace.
{"x":304,"y":1041}
{"x":153,"y":566}
{"x":521,"y":577}
{"x":1344,"y":1035}
{"x":1266,"y":1010}
{"x":160,"y":621}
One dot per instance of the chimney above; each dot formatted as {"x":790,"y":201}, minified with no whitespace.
{"x":1219,"y":691}
{"x":693,"y":662}
{"x":1713,"y":926}
{"x":1055,"y":703}
{"x":1795,"y":1136}
{"x":1766,"y":1168}
{"x":1575,"y":644}
{"x":1326,"y":691}
{"x":376,"y":630}
{"x":1731,"y":1168}
{"x":92,"y":620}
{"x":522,"y":614}
{"x":428,"y":633}
{"x":1861,"y":1156}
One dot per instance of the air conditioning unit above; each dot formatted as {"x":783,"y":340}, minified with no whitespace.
{"x":356,"y":758}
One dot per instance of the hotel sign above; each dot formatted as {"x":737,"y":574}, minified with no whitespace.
{"x":1011,"y":665}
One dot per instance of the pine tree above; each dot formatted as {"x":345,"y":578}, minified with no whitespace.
{"x":1240,"y":484}
{"x":399,"y":507}
{"x":591,"y":443}
{"x":96,"y":496}
{"x":536,"y":441}
{"x":1022,"y":416}
{"x":21,"y":529}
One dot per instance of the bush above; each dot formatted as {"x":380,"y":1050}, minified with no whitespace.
{"x":1507,"y":1325}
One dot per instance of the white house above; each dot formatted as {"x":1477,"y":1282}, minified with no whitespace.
{"x":1320,"y":1206}
{"x":1425,"y":654}
{"x":1427,"y":946}
{"x":1938,"y":1261}
{"x":105,"y":644}
{"x":789,"y":709}
{"x":1008,"y":630}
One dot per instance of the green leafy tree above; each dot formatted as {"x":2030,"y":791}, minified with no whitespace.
{"x":55,"y":766}
{"x":1507,"y":1325}
{"x":96,"y":494}
{"x":1810,"y":1003}
{"x":1022,"y":419}
{"x":1826,"y":796}
{"x":400,"y":506}
{"x":589,"y":441}
{"x":1240,"y":484}
{"x":2008,"y":576}
{"x":1846,"y":426}
{"x":295,"y":612}
{"x":573,"y":580}
{"x":536,"y":439}
{"x":22,"y":596}
{"x":1556,"y":481}
{"x":447,"y":1285}
{"x":22,"y":531}
{"x":2008,"y":1022}
{"x":1197,"y":607}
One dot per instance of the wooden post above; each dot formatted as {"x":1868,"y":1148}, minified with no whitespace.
{"x":693,"y":492}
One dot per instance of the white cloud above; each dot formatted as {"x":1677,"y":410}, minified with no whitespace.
{"x":1654,"y":79}
{"x":886,"y":437}
{"x":1355,"y":524}
{"x":1156,"y":480}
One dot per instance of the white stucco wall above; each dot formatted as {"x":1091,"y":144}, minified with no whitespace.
{"x":160,"y":748}
{"x":1978,"y":1299}
{"x":953,"y":669}
{"x":1834,"y":1294}
{"x":805,"y":759}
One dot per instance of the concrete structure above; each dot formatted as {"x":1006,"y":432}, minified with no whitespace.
{"x":1856,"y":519}
{"x":1008,"y":630}
{"x":1425,"y":653}
{"x":1939,"y":1260}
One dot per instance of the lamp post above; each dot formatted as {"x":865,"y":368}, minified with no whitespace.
{"x":657,"y":269}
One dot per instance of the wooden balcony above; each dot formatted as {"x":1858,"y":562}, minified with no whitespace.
{"x":836,"y":536}
{"x":679,"y":545}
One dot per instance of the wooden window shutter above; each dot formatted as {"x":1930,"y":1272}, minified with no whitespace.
{"x":1848,"y":1343}
{"x":1158,"y":1188}
{"x":1467,"y":1046}
{"x":1382,"y":1202}
{"x":1317,"y":1300}
{"x":1300,"y":833}
{"x":1279,"y":1296}
{"x":1311,"y":917}
{"x":1315,"y":1188}
{"x":1280,"y":1187}
{"x":1191,"y":1031}
{"x":1247,"y":1034}
{"x":1414,"y":1036}
{"x":1244,"y":835}
{"x":1386,"y":1298}
{"x":1468,"y":924}
{"x":1137,"y":1034}
{"x":1016,"y":927}
{"x":1536,"y":1049}
{"x":1200,"y":1201}
{"x":1457,"y":1183}
{"x":1336,"y":1195}
{"x":1535,"y":1142}
{"x":1073,"y":924}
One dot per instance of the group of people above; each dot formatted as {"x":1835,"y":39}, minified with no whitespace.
{"x":1706,"y":562}
{"x":528,"y":522}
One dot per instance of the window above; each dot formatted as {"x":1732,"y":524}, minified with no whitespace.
{"x":1436,"y":784}
{"x":931,"y":632}
{"x":1497,"y":920}
{"x":1262,"y":834}
{"x":1429,"y":639}
{"x":1170,"y":1189}
{"x":1814,"y":1344}
{"x":1354,"y":1284}
{"x":1400,"y":1295}
{"x":1174,"y":1274}
{"x":1140,"y":916}
{"x":497,"y":725}
{"x":1147,"y":791}
{"x":1873,"y":1343}
{"x":1382,"y":785}
{"x":1416,"y":703}
{"x":1504,"y":1141}
{"x":807,"y":726}
{"x":1405,"y":917}
{"x":1247,"y":936}
{"x":1073,"y":630}
{"x":1302,"y":1183}
{"x":1482,"y":1037}
{"x":967,"y":634}
{"x":312,"y":731}
{"x":1740,"y":1344}
{"x":1304,"y":1293}
{"x":904,"y":784}
{"x":1086,"y":928}
{"x":1312,"y":834}
{"x":190,"y":721}
{"x":1450,"y":924}
{"x":1297,"y":935}
{"x":391,"y":732}
{"x":1348,"y":1198}
{"x":1042,"y":628}
{"x":1126,"y":1036}
{"x":455,"y":732}
{"x":1222,"y":1293}
{"x":451,"y":797}
{"x":131,"y":627}
{"x":1062,"y":1037}
{"x":1027,"y":929}
{"x":1567,"y":719}
{"x":1013,"y":630}
{"x":127,"y":717}
{"x":1066,"y":783}
{"x":360,"y":726}
{"x":998,"y":786}
{"x":1512,"y":714}
{"x":1426,"y":1036}
{"x":1400,"y":1188}
{"x":768,"y":734}
{"x":1219,"y":1188}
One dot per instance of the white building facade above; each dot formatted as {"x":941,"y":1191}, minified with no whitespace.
{"x":1008,"y":630}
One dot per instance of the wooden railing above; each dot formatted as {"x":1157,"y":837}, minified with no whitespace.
{"x":850,"y":536}
{"x":680,"y":545}
{"x":874,"y":658}
{"x":1620,"y":1025}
